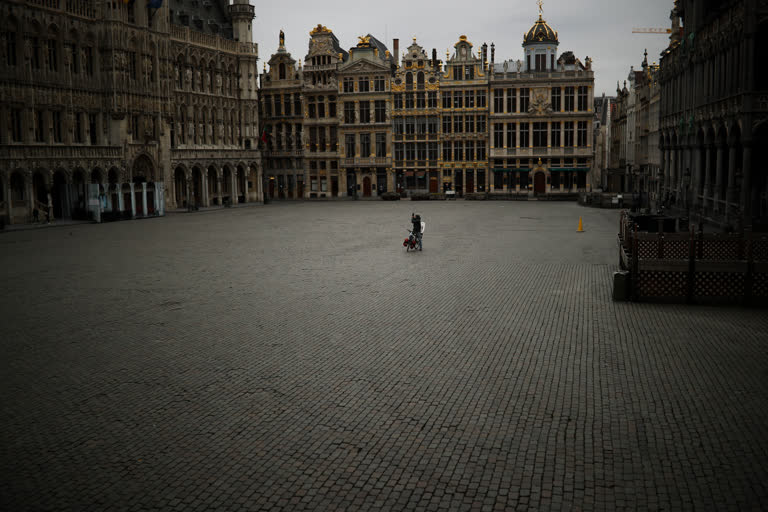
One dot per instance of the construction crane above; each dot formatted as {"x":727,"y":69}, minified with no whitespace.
{"x":651,"y":30}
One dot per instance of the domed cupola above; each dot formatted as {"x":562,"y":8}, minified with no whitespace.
{"x":539,"y":33}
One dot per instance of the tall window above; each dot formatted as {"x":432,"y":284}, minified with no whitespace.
{"x":311,"y":107}
{"x":88,"y":60}
{"x":16,"y":125}
{"x":297,"y":104}
{"x":458,"y":150}
{"x":57,"y":128}
{"x":481,"y":122}
{"x":498,"y":135}
{"x":349,"y":112}
{"x":432,"y":151}
{"x":409,"y":100}
{"x":524,"y":135}
{"x":10,"y":48}
{"x":446,"y":100}
{"x":94,"y":135}
{"x":569,"y":99}
{"x":321,"y":107}
{"x":447,"y":124}
{"x":539,"y":135}
{"x":583,"y":98}
{"x":365,"y":112}
{"x":541,"y":62}
{"x":511,"y":135}
{"x":421,"y":100}
{"x":53,"y":61}
{"x":447,"y":151}
{"x":363,"y":84}
{"x":365,"y":145}
{"x":381,"y":111}
{"x":432,"y":99}
{"x":458,"y":100}
{"x":287,"y":104}
{"x":398,"y":101}
{"x":555,"y":135}
{"x":378,"y":84}
{"x":78,"y":128}
{"x":334,"y":137}
{"x":556,"y":101}
{"x":480,"y":151}
{"x":582,"y":134}
{"x":132,"y":65}
{"x":420,"y":81}
{"x":350,"y":145}
{"x":39,"y":126}
{"x":469,"y":151}
{"x":568,"y":142}
{"x":313,"y":139}
{"x":480,"y":99}
{"x":498,"y":100}
{"x":525,"y":99}
{"x":349,"y":85}
{"x":321,"y":142}
{"x":469,"y":99}
{"x":511,"y":99}
{"x":279,"y":105}
{"x":458,"y":124}
{"x":470,"y":124}
{"x":35,"y":43}
{"x":381,"y":145}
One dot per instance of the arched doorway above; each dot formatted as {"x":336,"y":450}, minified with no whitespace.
{"x":241,"y":185}
{"x":60,"y":196}
{"x":226,"y":187}
{"x":197,"y":187}
{"x":213,"y":197}
{"x":271,"y":187}
{"x":539,"y":183}
{"x":79,"y":196}
{"x":180,"y":187}
{"x":367,"y":186}
{"x":40,"y":189}
{"x":138,"y":195}
{"x":114,"y":191}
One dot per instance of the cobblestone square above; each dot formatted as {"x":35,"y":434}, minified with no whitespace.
{"x":295,"y":357}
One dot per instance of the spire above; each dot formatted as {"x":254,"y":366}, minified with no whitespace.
{"x":645,"y":59}
{"x":541,"y":8}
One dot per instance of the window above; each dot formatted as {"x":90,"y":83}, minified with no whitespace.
{"x":480,"y":151}
{"x":539,"y":135}
{"x":446,"y":100}
{"x":56,"y":121}
{"x":332,"y":107}
{"x":511,"y":135}
{"x":433,"y":126}
{"x":381,"y":111}
{"x":88,"y":60}
{"x":321,"y":142}
{"x":569,"y":99}
{"x":447,"y":124}
{"x":524,"y":135}
{"x":421,"y":100}
{"x":279,"y":105}
{"x":432,"y":99}
{"x":421,"y":151}
{"x":555,"y":135}
{"x":350,"y":145}
{"x":363,"y":85}
{"x":365,"y":112}
{"x":432,"y":151}
{"x":524,"y":99}
{"x":420,"y":78}
{"x":53,"y":63}
{"x":447,"y":151}
{"x":568,"y":142}
{"x":410,"y":125}
{"x":469,"y":154}
{"x":399,"y":149}
{"x":458,"y":151}
{"x":458,"y":100}
{"x":398,"y":101}
{"x":541,"y":62}
{"x":349,"y":85}
{"x":409,"y":81}
{"x":132,"y":65}
{"x":498,"y":100}
{"x":311,"y":107}
{"x":381,"y":145}
{"x":349,"y":112}
{"x":10,"y":45}
{"x":583,"y":98}
{"x":480,"y":124}
{"x":16,"y":125}
{"x":287,"y":104}
{"x":320,"y":107}
{"x":313,"y":139}
{"x":498,"y":135}
{"x":469,"y":72}
{"x":511,"y":100}
{"x":35,"y":53}
{"x":458,"y":124}
{"x":71,"y":50}
{"x":365,"y":145}
{"x":78,"y":128}
{"x":556,"y":104}
{"x":457,"y":73}
{"x":470,"y":124}
{"x":334,"y":137}
{"x":582,"y":134}
{"x":421,"y":126}
{"x":469,"y":99}
{"x":378,"y":84}
{"x":268,"y":106}
{"x":409,"y":100}
{"x":399,"y":125}
{"x":480,"y":99}
{"x":410,"y":151}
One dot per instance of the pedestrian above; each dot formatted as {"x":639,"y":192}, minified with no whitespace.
{"x":49,"y":212}
{"x":416,"y":221}
{"x":35,"y":216}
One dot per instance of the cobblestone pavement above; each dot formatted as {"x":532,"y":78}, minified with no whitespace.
{"x":295,"y":357}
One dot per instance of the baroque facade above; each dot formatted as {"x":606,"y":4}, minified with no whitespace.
{"x":714,"y":112}
{"x":376,"y":123}
{"x":113,"y":110}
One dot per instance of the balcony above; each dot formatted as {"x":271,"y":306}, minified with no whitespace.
{"x":45,"y":152}
{"x":366,"y":162}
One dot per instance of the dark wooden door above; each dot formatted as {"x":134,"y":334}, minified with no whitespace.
{"x":540,"y":183}
{"x":366,"y":187}
{"x":433,"y":185}
{"x":470,"y":183}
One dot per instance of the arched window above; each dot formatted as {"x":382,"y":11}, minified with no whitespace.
{"x":420,"y":80}
{"x":409,"y":81}
{"x":52,"y":50}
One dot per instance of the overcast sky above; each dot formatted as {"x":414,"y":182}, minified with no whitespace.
{"x":600,"y":29}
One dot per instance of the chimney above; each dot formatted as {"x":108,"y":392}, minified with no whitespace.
{"x":485,"y":53}
{"x":434,"y":58}
{"x":493,"y":53}
{"x":396,"y":51}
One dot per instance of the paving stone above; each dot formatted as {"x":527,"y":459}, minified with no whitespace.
{"x":295,"y":357}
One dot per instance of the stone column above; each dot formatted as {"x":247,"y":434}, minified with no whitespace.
{"x":696,"y":176}
{"x":206,"y":196}
{"x":30,"y":195}
{"x":730,"y":194}
{"x":119,"y":190}
{"x":719,"y":177}
{"x":746,"y":182}
{"x":218,"y":189}
{"x":245,"y":188}
{"x":145,"y":211}
{"x":133,"y":202}
{"x":672,"y":162}
{"x":707,"y":177}
{"x":234,"y":188}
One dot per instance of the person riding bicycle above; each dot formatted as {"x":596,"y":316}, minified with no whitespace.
{"x":416,"y":221}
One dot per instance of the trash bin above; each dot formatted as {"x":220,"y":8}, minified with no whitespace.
{"x":621,"y":285}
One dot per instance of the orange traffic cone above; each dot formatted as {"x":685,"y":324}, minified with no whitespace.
{"x":581,"y":226}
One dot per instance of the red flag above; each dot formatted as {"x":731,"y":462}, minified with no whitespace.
{"x":264,"y":136}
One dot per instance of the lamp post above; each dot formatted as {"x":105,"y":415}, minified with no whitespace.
{"x":687,"y":196}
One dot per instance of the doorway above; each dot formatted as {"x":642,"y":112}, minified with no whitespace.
{"x":539,"y":184}
{"x":367,"y":186}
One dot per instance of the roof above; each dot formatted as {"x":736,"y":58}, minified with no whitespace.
{"x":540,"y":32}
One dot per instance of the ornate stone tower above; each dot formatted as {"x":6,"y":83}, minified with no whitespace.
{"x":242,"y":13}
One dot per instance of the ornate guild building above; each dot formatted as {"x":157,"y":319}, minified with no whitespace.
{"x":118,"y":110}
